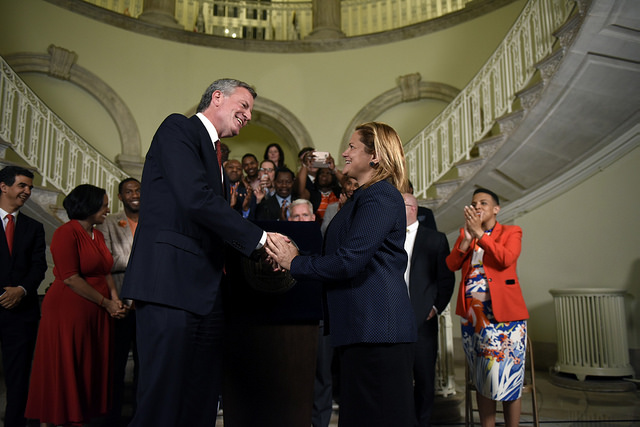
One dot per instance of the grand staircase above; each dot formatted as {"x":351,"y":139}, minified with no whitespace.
{"x":552,"y":104}
{"x":577,"y":113}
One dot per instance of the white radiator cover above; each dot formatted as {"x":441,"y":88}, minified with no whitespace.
{"x":592,"y":333}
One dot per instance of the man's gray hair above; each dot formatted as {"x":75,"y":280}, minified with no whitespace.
{"x":226,"y":86}
{"x":297,"y":202}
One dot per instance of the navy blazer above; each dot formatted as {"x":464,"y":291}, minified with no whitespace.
{"x":431,"y":282}
{"x":27,"y":263}
{"x":185,"y":222}
{"x":363,"y":270}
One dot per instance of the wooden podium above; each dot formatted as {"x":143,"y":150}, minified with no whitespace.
{"x":271,"y":341}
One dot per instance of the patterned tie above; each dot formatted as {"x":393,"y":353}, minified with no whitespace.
{"x":8,"y":231}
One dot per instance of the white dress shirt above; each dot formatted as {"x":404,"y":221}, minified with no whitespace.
{"x":412,"y":230}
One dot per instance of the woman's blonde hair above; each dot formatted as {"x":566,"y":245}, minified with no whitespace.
{"x":382,"y":140}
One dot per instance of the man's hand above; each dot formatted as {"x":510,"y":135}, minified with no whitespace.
{"x":11,"y":297}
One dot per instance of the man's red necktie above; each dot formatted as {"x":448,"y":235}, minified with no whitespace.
{"x":8,"y":231}
{"x":219,"y":153}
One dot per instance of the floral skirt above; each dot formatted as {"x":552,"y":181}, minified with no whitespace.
{"x":495,"y":351}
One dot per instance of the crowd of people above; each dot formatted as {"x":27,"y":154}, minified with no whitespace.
{"x":146,"y":281}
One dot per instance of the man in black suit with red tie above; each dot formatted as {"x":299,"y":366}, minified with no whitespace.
{"x":22,"y":268}
{"x":430,"y":285}
{"x":185,"y":230}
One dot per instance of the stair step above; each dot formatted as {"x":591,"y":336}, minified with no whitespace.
{"x":48,"y":200}
{"x":531,"y":95}
{"x":489,"y":145}
{"x":445,"y":189}
{"x":509,"y":122}
{"x":550,"y":64}
{"x":468,"y":168}
{"x":3,"y":148}
{"x":567,"y":32}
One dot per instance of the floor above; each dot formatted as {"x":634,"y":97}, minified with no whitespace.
{"x":558,"y":406}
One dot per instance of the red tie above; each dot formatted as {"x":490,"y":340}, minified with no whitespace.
{"x":219,"y":153}
{"x":8,"y":231}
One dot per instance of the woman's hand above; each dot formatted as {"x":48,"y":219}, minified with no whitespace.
{"x":115,"y":308}
{"x":281,"y":250}
{"x":473,"y":222}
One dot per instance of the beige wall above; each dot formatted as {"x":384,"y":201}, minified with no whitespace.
{"x":584,"y":238}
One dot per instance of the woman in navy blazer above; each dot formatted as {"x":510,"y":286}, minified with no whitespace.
{"x":370,"y":317}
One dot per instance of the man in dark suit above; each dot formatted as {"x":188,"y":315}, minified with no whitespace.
{"x":22,"y":268}
{"x":186,"y":229}
{"x":276,"y":208}
{"x":430,"y":285}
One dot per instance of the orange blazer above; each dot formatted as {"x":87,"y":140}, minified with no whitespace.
{"x":501,"y":252}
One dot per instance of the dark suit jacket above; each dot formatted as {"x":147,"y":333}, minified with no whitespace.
{"x":269,"y":209}
{"x":185,"y":223}
{"x":363,"y":270}
{"x":27,"y":263}
{"x":501,"y":251}
{"x":425,"y":217}
{"x":431,"y":283}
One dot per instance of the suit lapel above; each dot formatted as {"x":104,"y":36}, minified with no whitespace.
{"x":209,"y":158}
{"x":124,"y":233}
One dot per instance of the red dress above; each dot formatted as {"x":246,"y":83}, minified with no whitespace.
{"x":71,"y":374}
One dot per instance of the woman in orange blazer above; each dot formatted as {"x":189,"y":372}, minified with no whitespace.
{"x":493,"y":311}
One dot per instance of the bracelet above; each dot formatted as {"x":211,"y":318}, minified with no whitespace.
{"x":101,"y":301}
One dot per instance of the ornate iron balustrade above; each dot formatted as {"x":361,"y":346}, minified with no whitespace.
{"x":450,"y":137}
{"x":290,"y":20}
{"x":44,"y":141}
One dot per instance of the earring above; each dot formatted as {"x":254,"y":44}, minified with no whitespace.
{"x":372,"y":164}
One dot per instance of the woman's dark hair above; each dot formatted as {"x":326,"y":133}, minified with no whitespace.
{"x":83,"y":201}
{"x":493,"y":195}
{"x":334,"y":180}
{"x":280,"y":159}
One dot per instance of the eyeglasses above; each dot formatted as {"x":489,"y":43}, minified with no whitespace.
{"x":410,"y":206}
{"x":267,"y":169}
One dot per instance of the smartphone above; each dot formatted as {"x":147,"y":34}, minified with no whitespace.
{"x":320,"y":159}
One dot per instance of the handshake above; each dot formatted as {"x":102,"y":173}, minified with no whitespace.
{"x":280,"y":251}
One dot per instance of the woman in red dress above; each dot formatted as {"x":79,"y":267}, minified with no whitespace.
{"x":71,"y":376}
